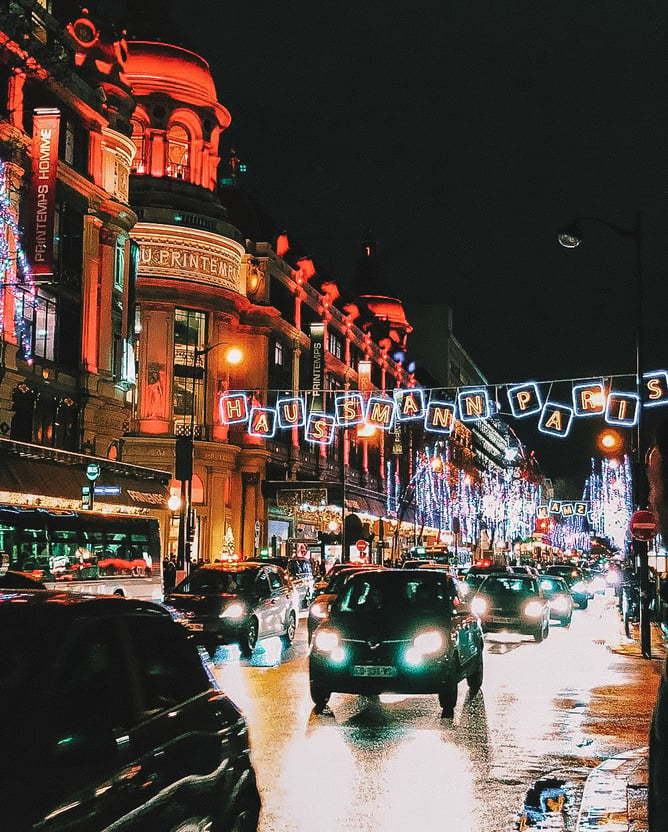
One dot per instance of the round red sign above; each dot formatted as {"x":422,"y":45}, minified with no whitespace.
{"x":643,"y":525}
{"x":361,"y":545}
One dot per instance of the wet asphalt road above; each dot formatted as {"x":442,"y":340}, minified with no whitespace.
{"x":393,"y":764}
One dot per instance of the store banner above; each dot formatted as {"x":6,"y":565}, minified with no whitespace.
{"x":318,"y":367}
{"x":46,"y":130}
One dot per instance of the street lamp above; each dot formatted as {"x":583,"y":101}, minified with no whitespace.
{"x":185,"y":446}
{"x":570,"y":236}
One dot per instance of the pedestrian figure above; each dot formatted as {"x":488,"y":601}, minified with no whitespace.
{"x":657,"y":802}
{"x":168,"y":574}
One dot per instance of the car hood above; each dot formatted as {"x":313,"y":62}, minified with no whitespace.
{"x":384,"y":626}
{"x":190,"y":602}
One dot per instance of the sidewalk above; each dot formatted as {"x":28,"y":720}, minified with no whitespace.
{"x":615,"y":793}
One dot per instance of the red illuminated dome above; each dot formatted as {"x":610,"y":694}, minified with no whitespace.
{"x":176,"y":72}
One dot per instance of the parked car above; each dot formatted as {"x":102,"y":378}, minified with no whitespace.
{"x":300,"y":571}
{"x":111,"y":720}
{"x":236,"y":603}
{"x":575,"y":579}
{"x":318,"y":612}
{"x":512,"y":602}
{"x":20,"y":580}
{"x":397,"y":631}
{"x":558,"y":597}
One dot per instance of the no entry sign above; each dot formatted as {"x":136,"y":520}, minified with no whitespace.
{"x":361,"y":545}
{"x":643,"y":525}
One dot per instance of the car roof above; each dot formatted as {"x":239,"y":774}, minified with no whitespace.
{"x":72,"y":604}
{"x":20,"y":580}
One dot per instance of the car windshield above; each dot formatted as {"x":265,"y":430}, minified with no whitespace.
{"x":396,"y":593}
{"x":218,"y":581}
{"x":553,"y":585}
{"x":509,"y":584}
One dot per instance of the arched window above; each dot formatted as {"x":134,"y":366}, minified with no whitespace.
{"x":178,"y":152}
{"x":140,"y":162}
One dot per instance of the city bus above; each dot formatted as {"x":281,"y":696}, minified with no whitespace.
{"x":104,"y":554}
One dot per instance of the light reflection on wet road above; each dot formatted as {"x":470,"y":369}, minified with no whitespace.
{"x":386,"y":765}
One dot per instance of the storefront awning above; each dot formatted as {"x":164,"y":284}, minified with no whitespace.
{"x":31,"y":470}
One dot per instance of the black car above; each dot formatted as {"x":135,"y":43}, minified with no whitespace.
{"x":318,"y":612}
{"x":515,"y":603}
{"x":20,"y":580}
{"x":236,"y":603}
{"x":558,"y":597}
{"x":477,"y":574}
{"x":575,"y":579}
{"x":397,"y":631}
{"x":111,"y":720}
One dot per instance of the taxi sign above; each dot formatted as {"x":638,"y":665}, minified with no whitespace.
{"x":643,"y":525}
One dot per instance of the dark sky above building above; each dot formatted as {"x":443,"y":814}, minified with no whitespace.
{"x":464,"y":134}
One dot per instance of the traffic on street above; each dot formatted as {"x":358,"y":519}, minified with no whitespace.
{"x":387,"y":762}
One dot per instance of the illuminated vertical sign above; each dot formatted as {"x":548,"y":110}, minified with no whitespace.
{"x":364,"y":377}
{"x":46,"y":130}
{"x":318,"y":367}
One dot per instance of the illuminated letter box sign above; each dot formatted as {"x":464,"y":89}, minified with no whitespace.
{"x":349,"y":409}
{"x":555,"y":507}
{"x":440,"y":417}
{"x":581,"y":509}
{"x":555,"y":420}
{"x":291,"y":412}
{"x":320,"y":428}
{"x":233,"y":408}
{"x":622,"y":409}
{"x":473,"y":404}
{"x":380,"y":412}
{"x":567,"y":509}
{"x":409,"y":404}
{"x":588,"y":399}
{"x":542,"y":512}
{"x":656,"y":388}
{"x":525,"y":399}
{"x":262,"y":422}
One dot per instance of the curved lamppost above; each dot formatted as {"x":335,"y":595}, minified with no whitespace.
{"x":571,"y":236}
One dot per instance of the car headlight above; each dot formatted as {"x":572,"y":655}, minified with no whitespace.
{"x":326,"y":641}
{"x":319,"y":609}
{"x":429,"y":642}
{"x":534,"y":609}
{"x":233,"y":612}
{"x":559,"y":603}
{"x":479,"y":606}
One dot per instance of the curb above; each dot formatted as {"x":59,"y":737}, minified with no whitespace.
{"x":615,"y":795}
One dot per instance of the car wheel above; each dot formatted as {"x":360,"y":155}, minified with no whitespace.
{"x":474,"y":681}
{"x":320,"y":696}
{"x":247,"y":645}
{"x":539,"y":633}
{"x":289,"y":636}
{"x":447,"y":696}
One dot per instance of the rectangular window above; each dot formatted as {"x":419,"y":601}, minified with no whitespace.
{"x":278,"y":354}
{"x":335,"y":347}
{"x":39,"y":317}
{"x":119,"y":265}
{"x":68,"y":148}
{"x":189,"y":370}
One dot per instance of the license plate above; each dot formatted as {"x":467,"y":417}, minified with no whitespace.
{"x":374,"y":670}
{"x":191,"y":626}
{"x":501,"y":619}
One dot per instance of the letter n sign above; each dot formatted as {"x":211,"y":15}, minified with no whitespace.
{"x":473,"y":404}
{"x":440,"y":417}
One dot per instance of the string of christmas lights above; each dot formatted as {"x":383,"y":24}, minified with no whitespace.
{"x":15,"y":270}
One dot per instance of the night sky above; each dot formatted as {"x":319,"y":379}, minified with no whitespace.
{"x":462,"y":135}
